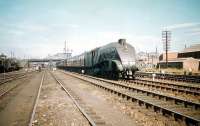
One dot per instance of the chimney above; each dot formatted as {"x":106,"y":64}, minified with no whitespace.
{"x":122,"y":42}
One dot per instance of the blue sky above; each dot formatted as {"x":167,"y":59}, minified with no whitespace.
{"x":36,"y":28}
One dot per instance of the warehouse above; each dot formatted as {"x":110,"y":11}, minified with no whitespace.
{"x":188,"y":59}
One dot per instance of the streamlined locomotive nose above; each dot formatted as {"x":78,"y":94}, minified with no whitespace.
{"x":116,"y":59}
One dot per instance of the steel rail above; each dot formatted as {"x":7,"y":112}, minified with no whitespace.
{"x":36,"y":101}
{"x":176,"y":100}
{"x":14,"y":77}
{"x":156,"y":106}
{"x":10,"y":89}
{"x":178,"y":78}
{"x":167,"y":86}
{"x":91,"y":122}
{"x":182,"y":85}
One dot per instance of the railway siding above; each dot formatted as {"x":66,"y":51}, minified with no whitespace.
{"x":55,"y":107}
{"x":87,"y":111}
{"x":8,"y":77}
{"x":177,"y":88}
{"x":176,"y":100}
{"x":176,"y":110}
{"x":8,"y":84}
{"x":182,"y":85}
{"x":17,"y":105}
{"x":96,"y":100}
{"x":170,"y":77}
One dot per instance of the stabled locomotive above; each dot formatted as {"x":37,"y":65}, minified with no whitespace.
{"x":114,"y":60}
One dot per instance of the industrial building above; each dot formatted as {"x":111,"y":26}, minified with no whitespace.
{"x":147,"y":60}
{"x":188,"y":59}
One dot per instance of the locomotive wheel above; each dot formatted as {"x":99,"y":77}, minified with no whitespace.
{"x":123,"y":76}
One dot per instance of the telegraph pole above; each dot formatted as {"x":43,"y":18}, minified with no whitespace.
{"x":65,"y":48}
{"x":166,"y":38}
{"x":156,"y":56}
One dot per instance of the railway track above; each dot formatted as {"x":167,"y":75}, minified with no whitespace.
{"x":18,"y":102}
{"x":187,"y":89}
{"x":167,"y":105}
{"x":5,"y":90}
{"x":87,"y":111}
{"x":36,"y":101}
{"x":4,"y":78}
{"x":195,"y":105}
{"x":177,"y":78}
{"x":9,"y":73}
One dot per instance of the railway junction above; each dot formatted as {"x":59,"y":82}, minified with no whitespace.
{"x":99,"y":63}
{"x":101,"y":87}
{"x":58,"y":97}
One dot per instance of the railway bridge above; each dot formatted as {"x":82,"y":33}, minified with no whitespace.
{"x":43,"y":62}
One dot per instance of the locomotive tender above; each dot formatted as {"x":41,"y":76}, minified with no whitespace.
{"x":114,"y":60}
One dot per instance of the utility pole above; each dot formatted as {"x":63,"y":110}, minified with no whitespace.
{"x":156,"y":51}
{"x":166,"y":38}
{"x":65,"y":47}
{"x":156,"y":55}
{"x":11,"y":54}
{"x":4,"y":62}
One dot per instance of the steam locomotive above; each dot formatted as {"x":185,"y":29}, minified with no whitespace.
{"x":8,"y":64}
{"x":114,"y":60}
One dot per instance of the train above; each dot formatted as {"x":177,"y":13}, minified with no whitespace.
{"x":114,"y":60}
{"x":8,"y":64}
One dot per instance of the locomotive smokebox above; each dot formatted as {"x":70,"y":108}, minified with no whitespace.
{"x":122,"y":41}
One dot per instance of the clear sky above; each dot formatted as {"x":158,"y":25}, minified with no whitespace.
{"x":36,"y":28}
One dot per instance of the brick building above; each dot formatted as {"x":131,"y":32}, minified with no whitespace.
{"x":188,"y":59}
